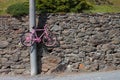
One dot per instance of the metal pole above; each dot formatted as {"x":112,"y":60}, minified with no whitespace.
{"x":32,"y":22}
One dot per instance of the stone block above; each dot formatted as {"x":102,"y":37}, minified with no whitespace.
{"x":3,"y":44}
{"x":4,"y":60}
{"x":117,"y":55}
{"x":19,"y":71}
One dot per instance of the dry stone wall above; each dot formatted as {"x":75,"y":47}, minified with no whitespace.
{"x":88,"y":42}
{"x":14,"y":59}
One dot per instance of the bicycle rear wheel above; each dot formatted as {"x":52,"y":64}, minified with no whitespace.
{"x":49,"y":40}
{"x":27,"y":39}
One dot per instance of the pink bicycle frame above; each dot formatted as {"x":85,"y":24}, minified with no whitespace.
{"x":38,"y":39}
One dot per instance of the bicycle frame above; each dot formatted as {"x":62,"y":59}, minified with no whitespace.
{"x":38,"y":39}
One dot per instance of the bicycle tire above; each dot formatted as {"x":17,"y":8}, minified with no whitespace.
{"x":49,"y":40}
{"x":27,"y":39}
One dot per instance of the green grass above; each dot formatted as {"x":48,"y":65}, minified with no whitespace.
{"x":116,"y":3}
{"x":5,"y":3}
{"x":115,"y":8}
{"x":105,"y":9}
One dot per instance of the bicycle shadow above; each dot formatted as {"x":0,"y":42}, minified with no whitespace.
{"x":42,"y":50}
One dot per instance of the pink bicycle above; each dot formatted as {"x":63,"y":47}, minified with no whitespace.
{"x":48,"y":38}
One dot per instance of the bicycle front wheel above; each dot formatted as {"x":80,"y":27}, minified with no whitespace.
{"x":49,"y":40}
{"x":27,"y":39}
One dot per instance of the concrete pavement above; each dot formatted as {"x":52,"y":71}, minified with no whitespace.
{"x":111,"y":75}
